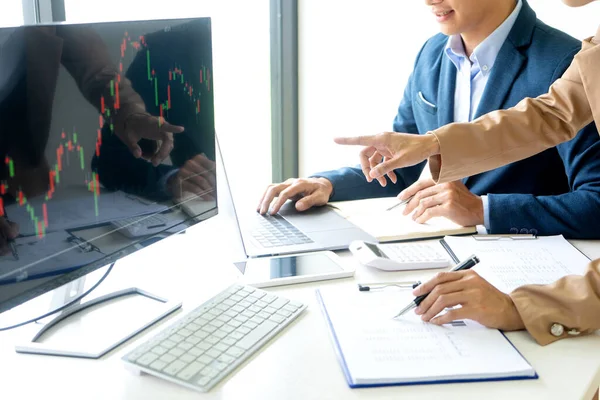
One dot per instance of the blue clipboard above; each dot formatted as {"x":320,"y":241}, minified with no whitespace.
{"x":352,"y":384}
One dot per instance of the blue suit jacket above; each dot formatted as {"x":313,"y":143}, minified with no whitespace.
{"x":554,"y":192}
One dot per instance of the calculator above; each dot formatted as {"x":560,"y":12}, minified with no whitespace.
{"x":401,"y":256}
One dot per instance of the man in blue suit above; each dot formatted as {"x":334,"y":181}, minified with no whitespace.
{"x":490,"y":55}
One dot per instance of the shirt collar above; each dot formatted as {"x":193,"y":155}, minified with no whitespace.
{"x":485,"y":54}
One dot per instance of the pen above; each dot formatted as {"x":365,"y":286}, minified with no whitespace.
{"x":400,"y":203}
{"x":467,"y":264}
{"x":367,"y":287}
{"x":11,"y":242}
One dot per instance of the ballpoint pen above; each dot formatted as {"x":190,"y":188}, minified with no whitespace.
{"x":367,"y":287}
{"x":467,"y":264}
{"x":400,"y":203}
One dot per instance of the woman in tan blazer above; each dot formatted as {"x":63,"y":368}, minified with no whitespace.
{"x":568,"y":307}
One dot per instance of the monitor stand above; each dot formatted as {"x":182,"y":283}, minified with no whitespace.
{"x":92,"y":328}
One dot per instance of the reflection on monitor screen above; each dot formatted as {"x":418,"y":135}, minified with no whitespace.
{"x":107,"y":143}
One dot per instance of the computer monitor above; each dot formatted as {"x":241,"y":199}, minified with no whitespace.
{"x":92,"y":163}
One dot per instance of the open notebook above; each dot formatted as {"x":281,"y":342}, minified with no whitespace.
{"x":371,"y":215}
{"x":375,"y":350}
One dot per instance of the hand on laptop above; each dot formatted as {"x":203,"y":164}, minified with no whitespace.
{"x":8,"y":230}
{"x":196,"y":177}
{"x":308,"y":192}
{"x":451,"y":200}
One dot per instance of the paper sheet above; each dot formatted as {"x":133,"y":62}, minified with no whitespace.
{"x":379,"y":349}
{"x":372,"y":216}
{"x":508,"y":264}
{"x":39,"y":257}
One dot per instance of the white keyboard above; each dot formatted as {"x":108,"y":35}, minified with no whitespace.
{"x":142,"y":225}
{"x":202,"y":348}
{"x":401,"y":256}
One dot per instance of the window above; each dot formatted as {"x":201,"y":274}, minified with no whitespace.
{"x":241,"y":63}
{"x":11,"y":13}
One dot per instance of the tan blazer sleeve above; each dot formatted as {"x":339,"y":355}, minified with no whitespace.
{"x":573,"y":302}
{"x":533,"y":125}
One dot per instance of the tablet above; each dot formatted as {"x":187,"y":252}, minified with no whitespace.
{"x":299,"y":268}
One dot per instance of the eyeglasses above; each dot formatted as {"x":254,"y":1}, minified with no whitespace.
{"x":369,"y":287}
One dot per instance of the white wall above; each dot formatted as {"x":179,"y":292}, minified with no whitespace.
{"x":241,"y":64}
{"x":11,"y":12}
{"x":355,"y":59}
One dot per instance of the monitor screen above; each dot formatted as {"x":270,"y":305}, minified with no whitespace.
{"x":107,"y":144}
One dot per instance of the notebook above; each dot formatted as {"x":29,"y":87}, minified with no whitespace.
{"x":372,"y":216}
{"x":376,"y":350}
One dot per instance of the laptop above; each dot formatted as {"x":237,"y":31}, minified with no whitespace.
{"x":290,"y":231}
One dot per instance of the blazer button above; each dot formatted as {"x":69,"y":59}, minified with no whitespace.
{"x":557,"y":330}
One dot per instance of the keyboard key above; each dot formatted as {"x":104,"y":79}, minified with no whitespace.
{"x":280,"y":302}
{"x":212,"y":339}
{"x":158,"y":365}
{"x":236,"y":335}
{"x":220,"y":347}
{"x":187,"y":358}
{"x":174,"y":367}
{"x":193,"y":340}
{"x":209,"y":372}
{"x":234,"y":351}
{"x":217,"y":323}
{"x":219,"y":366}
{"x":225,"y":358}
{"x":205,"y":359}
{"x":277,"y":318}
{"x":203,"y":381}
{"x":185,"y":332}
{"x":203,"y":346}
{"x":228,"y":341}
{"x":243,"y":330}
{"x":201,"y":334}
{"x":227,"y":329}
{"x":168,"y":358}
{"x":209,"y":328}
{"x":284,"y":313}
{"x":221,"y":333}
{"x":196,"y":352}
{"x":147,"y":358}
{"x":177,"y":352}
{"x":176,"y":338}
{"x":169,"y":344}
{"x":188,"y":372}
{"x":250,"y":324}
{"x":185,"y":346}
{"x":159,"y":350}
{"x":214,"y":353}
{"x":254,"y":337}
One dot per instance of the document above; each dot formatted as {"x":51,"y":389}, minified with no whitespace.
{"x":76,"y":207}
{"x":375,"y":349}
{"x":372,"y":216}
{"x":53,"y":254}
{"x":507,"y":263}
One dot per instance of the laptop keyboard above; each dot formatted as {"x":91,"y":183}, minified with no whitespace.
{"x":276,"y":231}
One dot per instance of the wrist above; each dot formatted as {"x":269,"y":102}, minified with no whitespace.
{"x":328,"y":186}
{"x":432,"y":145}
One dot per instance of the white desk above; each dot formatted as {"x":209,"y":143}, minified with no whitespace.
{"x":298,"y":364}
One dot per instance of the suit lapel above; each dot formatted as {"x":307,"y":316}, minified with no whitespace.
{"x":446,"y":91}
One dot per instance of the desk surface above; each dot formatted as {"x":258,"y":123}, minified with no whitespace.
{"x":298,"y":364}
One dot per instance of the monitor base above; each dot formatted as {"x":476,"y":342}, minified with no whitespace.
{"x":133,"y":325}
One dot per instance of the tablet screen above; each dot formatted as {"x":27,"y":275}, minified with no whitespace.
{"x":284,"y":267}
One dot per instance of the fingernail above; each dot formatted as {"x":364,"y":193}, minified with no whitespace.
{"x":418,"y":311}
